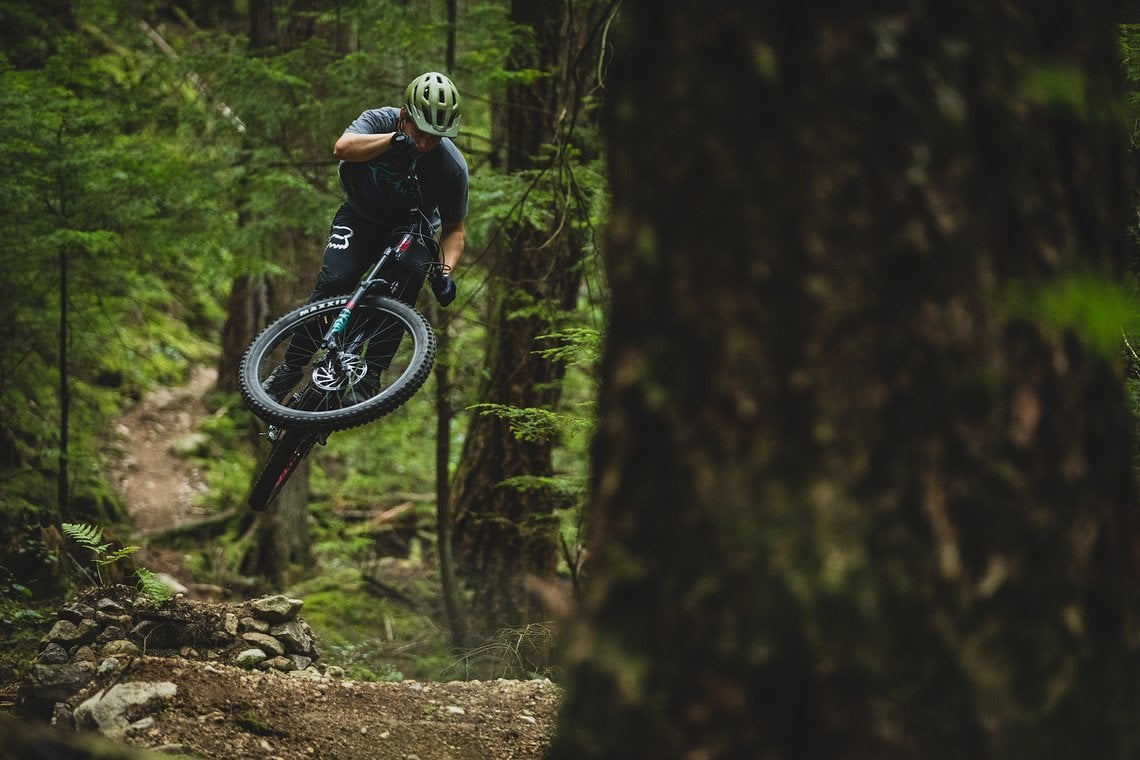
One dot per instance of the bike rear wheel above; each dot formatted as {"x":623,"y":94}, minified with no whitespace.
{"x":284,"y":458}
{"x":387,"y":352}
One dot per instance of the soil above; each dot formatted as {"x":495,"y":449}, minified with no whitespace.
{"x":221,"y":710}
{"x":157,"y":486}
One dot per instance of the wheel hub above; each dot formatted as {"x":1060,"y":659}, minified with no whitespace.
{"x":351,"y":370}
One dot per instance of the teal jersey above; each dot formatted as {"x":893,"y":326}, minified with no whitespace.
{"x":380,"y":192}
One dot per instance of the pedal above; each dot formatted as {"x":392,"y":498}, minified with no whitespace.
{"x":273,"y":433}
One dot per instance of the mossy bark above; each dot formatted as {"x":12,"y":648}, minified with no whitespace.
{"x":849,"y":500}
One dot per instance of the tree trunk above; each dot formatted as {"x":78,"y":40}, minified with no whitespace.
{"x":277,"y":539}
{"x":280,"y":536}
{"x":506,"y":535}
{"x":854,"y":495}
{"x":63,"y":466}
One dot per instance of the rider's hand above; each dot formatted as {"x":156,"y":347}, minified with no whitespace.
{"x":444,"y":288}
{"x":402,"y":150}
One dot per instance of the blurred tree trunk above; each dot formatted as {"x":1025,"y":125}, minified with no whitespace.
{"x":854,"y":495}
{"x":505,"y":535}
{"x":279,"y":537}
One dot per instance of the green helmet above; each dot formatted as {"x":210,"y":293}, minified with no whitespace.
{"x":433,"y":103}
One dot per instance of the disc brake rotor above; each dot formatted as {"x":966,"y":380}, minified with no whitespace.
{"x":352,"y":369}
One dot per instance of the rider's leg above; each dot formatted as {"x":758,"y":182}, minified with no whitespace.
{"x":352,"y":246}
{"x":412,"y":265}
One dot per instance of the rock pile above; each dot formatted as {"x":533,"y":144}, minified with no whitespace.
{"x":95,"y":633}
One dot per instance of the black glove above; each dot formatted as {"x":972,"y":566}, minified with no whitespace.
{"x":402,"y":151}
{"x":444,"y":288}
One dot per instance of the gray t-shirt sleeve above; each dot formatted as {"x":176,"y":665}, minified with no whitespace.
{"x":375,"y":121}
{"x":453,"y":188}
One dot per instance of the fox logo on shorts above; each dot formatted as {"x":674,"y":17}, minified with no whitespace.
{"x":339,"y":240}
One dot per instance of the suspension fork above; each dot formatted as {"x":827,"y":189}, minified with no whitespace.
{"x":331,"y":341}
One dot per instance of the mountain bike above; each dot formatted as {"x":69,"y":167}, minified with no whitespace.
{"x":359,"y":357}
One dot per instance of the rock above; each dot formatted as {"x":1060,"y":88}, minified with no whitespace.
{"x":307,"y":673}
{"x":230,"y":624}
{"x":250,"y":658}
{"x":121,"y":646}
{"x":276,"y":609}
{"x":170,"y":749}
{"x":294,"y":636}
{"x":75,"y":612}
{"x":143,"y":628}
{"x":53,"y":654}
{"x":265,"y":642}
{"x":88,"y":640}
{"x":284,"y":664}
{"x":253,"y":624}
{"x":144,"y":724}
{"x":106,"y":710}
{"x":54,"y":683}
{"x":110,"y":633}
{"x":62,"y":715}
{"x":110,"y":607}
{"x":67,"y":633}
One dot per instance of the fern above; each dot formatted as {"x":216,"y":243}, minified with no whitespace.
{"x":89,"y":537}
{"x":151,"y":587}
{"x":86,"y":535}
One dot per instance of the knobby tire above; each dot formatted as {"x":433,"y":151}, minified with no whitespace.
{"x":377,"y":320}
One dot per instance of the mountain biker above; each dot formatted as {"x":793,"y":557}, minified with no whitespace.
{"x":377,"y":152}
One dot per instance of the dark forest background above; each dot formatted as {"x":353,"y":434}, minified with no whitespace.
{"x":788,"y":408}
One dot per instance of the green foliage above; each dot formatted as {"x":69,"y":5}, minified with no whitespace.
{"x":90,"y":537}
{"x":363,"y":465}
{"x":254,"y":723}
{"x":1130,"y":61}
{"x":96,"y":187}
{"x":372,"y":639}
{"x":521,"y":652}
{"x":151,"y":587}
{"x":1098,"y":310}
{"x":228,"y":461}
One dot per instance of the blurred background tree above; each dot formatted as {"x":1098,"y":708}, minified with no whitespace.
{"x":863,"y":484}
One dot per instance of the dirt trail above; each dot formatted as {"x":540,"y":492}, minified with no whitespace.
{"x":157,"y":485}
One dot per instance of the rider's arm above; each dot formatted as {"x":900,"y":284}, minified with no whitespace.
{"x":357,"y":147}
{"x":451,"y":240}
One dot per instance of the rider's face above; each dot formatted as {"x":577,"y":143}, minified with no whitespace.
{"x":424,"y":141}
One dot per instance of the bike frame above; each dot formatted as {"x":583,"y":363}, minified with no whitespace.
{"x":394,"y":251}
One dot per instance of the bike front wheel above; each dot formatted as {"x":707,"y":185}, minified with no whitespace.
{"x":385,"y":354}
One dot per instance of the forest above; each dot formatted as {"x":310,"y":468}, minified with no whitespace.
{"x":788,"y":407}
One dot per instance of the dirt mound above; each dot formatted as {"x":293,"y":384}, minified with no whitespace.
{"x":191,"y":701}
{"x":223,"y":711}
